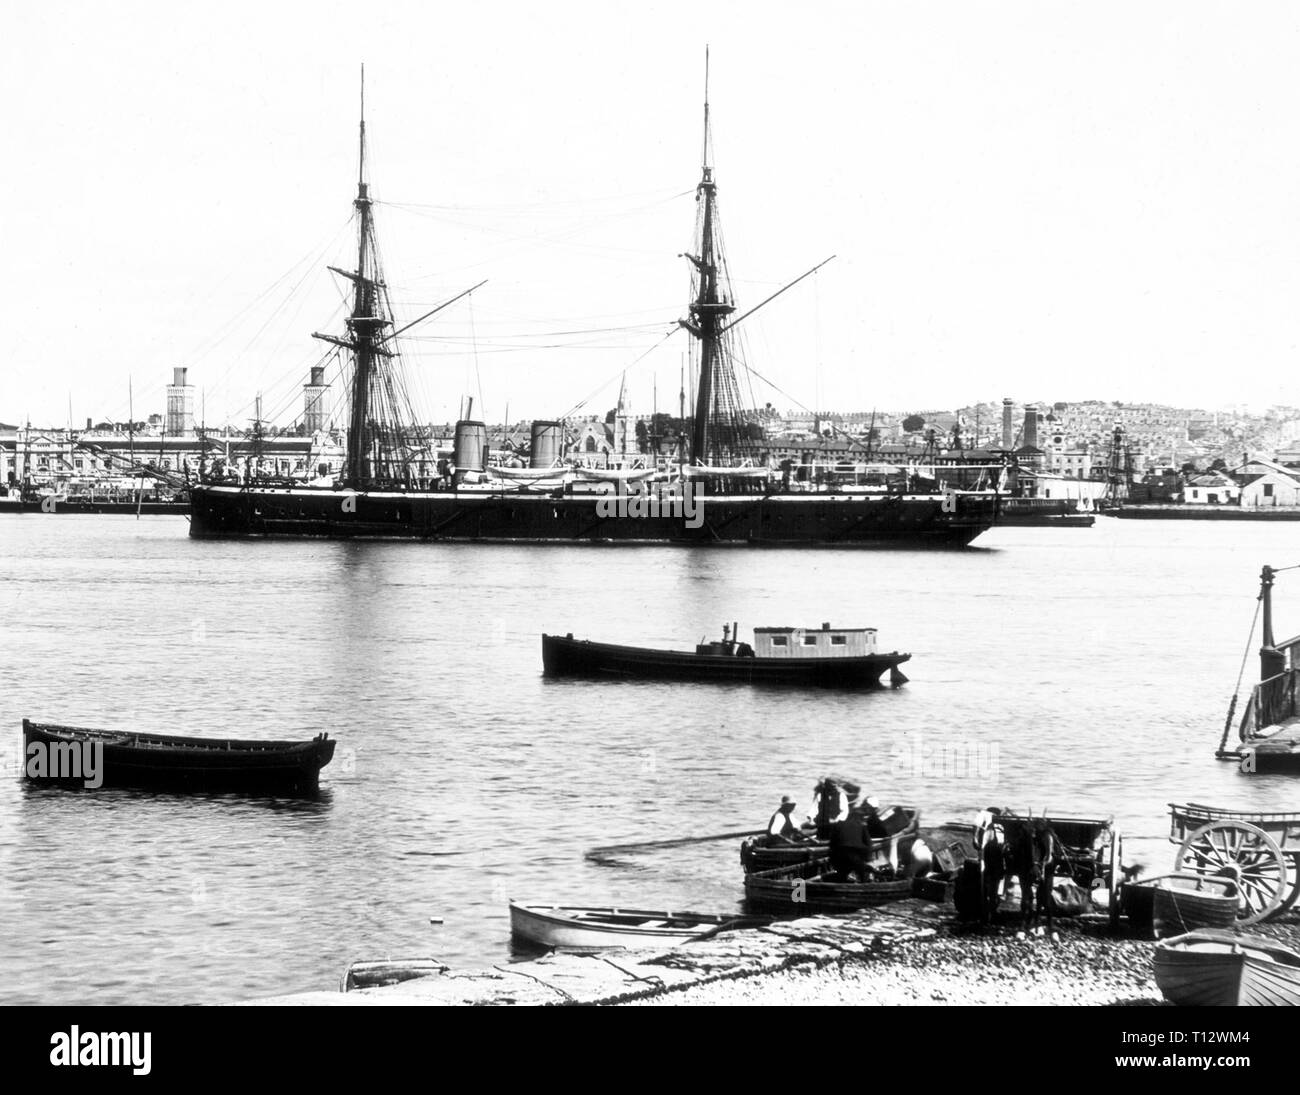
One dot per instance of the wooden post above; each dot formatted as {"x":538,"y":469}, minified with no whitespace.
{"x":1271,"y":660}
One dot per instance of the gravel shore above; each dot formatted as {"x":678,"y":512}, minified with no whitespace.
{"x":1084,"y":966}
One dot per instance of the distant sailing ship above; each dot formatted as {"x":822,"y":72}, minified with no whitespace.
{"x":386,"y":489}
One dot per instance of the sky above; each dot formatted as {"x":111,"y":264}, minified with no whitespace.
{"x":1029,"y":199}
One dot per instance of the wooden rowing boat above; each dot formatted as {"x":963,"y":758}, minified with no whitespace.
{"x":589,"y":928}
{"x":77,"y":756}
{"x":811,"y":887}
{"x":1138,"y":900}
{"x":1219,"y":969}
{"x":757,"y":855}
{"x":388,"y":971}
{"x":1185,"y":902}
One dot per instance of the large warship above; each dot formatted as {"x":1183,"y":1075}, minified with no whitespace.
{"x":719,"y":488}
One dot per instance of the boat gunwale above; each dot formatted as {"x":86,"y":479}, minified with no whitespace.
{"x":1238,"y":944}
{"x":127,"y":739}
{"x":730,"y":659}
{"x":705,"y":922}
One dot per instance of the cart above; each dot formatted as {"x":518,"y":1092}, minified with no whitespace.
{"x":1260,"y":852}
{"x":1089,"y":852}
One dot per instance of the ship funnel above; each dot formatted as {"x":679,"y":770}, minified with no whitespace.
{"x":547,"y":444}
{"x":471,"y":447}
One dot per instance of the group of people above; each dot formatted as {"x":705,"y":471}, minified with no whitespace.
{"x":848,"y":822}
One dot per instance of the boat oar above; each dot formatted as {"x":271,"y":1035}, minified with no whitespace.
{"x":611,"y":849}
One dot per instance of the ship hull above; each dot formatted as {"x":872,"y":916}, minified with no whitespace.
{"x":899,"y":521}
{"x":170,"y":762}
{"x":568,"y":657}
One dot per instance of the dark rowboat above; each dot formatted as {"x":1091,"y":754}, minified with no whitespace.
{"x":1219,"y":969}
{"x":804,"y":888}
{"x":590,"y":928}
{"x":825,"y":657}
{"x":756,"y":855}
{"x":388,"y":971}
{"x":113,"y":758}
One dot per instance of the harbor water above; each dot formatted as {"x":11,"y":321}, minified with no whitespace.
{"x":1085,"y":672}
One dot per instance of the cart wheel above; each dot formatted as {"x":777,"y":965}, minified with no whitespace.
{"x":1244,"y":854}
{"x":1294,"y":895}
{"x":1115,"y":877}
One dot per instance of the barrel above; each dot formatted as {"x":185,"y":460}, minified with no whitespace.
{"x":547,"y":444}
{"x":470,"y":449}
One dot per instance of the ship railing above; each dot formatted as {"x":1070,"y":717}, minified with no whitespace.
{"x":1272,"y":702}
{"x":1290,"y":650}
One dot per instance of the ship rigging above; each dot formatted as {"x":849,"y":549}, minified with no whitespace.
{"x":385,"y":488}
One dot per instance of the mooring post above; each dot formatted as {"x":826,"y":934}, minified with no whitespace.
{"x":1271,"y":660}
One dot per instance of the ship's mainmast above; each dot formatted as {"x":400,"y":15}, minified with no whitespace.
{"x":366,"y":325}
{"x":709,"y":307}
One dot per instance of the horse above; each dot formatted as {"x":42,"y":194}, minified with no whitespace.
{"x":1028,"y":855}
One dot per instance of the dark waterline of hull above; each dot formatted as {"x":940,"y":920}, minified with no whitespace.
{"x":784,"y":520}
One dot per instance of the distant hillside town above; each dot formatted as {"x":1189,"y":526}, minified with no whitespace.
{"x":1168,"y":453}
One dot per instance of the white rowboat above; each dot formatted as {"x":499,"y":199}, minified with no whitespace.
{"x":581,"y":927}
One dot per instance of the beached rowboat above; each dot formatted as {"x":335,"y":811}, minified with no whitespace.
{"x":1176,"y":904}
{"x":588,"y":928}
{"x":78,"y":756}
{"x":1220,"y":969}
{"x":388,"y":971}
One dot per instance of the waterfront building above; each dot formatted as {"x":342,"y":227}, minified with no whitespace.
{"x":1214,"y":488}
{"x":1265,"y":483}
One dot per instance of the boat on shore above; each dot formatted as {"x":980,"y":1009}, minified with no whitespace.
{"x":388,"y":971}
{"x":591,"y":928}
{"x":388,"y":487}
{"x":1175,"y":904}
{"x":78,"y":756}
{"x":825,"y":657}
{"x":1221,"y":969}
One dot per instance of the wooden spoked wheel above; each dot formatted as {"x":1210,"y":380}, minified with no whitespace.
{"x":1115,"y":877}
{"x":1244,"y":854}
{"x":1294,"y":895}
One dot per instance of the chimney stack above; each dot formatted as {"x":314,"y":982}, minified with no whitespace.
{"x":180,"y":404}
{"x":1008,"y":437}
{"x":1031,"y":427}
{"x":315,"y":402}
